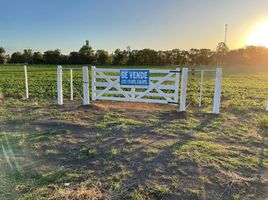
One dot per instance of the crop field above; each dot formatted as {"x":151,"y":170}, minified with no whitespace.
{"x":116,"y":150}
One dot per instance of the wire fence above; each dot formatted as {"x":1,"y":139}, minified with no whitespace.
{"x":42,"y":83}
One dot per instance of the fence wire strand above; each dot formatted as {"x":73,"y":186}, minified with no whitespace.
{"x":77,"y":92}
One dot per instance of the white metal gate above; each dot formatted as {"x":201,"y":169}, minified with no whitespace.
{"x":163,"y":86}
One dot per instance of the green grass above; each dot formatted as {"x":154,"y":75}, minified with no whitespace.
{"x":81,"y":153}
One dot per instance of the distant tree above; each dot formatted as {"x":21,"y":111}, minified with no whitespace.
{"x":17,"y":57}
{"x":147,"y":57}
{"x":233,"y":57}
{"x":75,"y":58}
{"x":52,"y":57}
{"x":2,"y":59}
{"x":38,"y":58}
{"x":87,"y":53}
{"x":132,"y":57}
{"x":7,"y":58}
{"x":119,"y":57}
{"x":128,"y":54}
{"x":193,"y":56}
{"x":221,"y":52}
{"x":222,"y":48}
{"x":64,"y":59}
{"x":203,"y":56}
{"x":2,"y":55}
{"x":102,"y":57}
{"x":181,"y":57}
{"x":161,"y":58}
{"x":185,"y":57}
{"x":255,"y":55}
{"x":28,"y":56}
{"x":173,"y":56}
{"x":250,"y":55}
{"x":2,"y":50}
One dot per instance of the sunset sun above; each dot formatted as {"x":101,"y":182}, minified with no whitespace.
{"x":259,"y":36}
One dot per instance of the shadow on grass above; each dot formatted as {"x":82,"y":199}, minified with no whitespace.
{"x":121,"y":156}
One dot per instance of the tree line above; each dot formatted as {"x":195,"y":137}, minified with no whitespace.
{"x":250,"y":55}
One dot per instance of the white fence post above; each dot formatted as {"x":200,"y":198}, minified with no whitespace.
{"x":85,"y":86}
{"x":177,"y":84}
{"x":26,"y":82}
{"x":184,"y":80}
{"x":217,"y":92}
{"x":201,"y":88}
{"x":59,"y":85}
{"x":71,"y":85}
{"x":93,"y":82}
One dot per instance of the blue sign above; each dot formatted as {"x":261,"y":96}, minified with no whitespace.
{"x":134,"y":77}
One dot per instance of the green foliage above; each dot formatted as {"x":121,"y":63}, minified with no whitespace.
{"x":17,"y":57}
{"x":264,"y":123}
{"x":113,"y":152}
{"x":52,"y":57}
{"x":216,"y":155}
{"x":75,"y":58}
{"x":86,"y":54}
{"x":2,"y":55}
{"x":194,"y":194}
{"x":28,"y":56}
{"x":38,"y":58}
{"x":159,"y":191}
{"x":252,"y":56}
{"x":102,"y":57}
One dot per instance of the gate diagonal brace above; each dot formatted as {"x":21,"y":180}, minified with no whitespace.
{"x":113,"y":84}
{"x":106,"y":89}
{"x":153,"y":86}
{"x":161,"y":92}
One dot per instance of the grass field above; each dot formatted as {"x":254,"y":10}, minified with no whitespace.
{"x":114,"y":150}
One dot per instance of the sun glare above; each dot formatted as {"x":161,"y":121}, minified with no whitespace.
{"x":259,"y":36}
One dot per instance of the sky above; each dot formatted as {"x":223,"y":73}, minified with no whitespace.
{"x":109,"y":24}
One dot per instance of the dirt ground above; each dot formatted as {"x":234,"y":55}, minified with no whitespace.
{"x":129,"y":151}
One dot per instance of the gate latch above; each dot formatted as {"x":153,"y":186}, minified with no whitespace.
{"x":175,"y":71}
